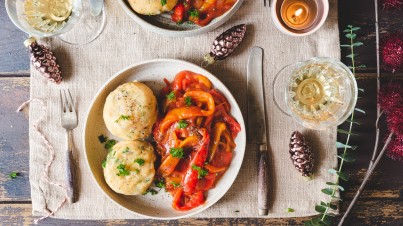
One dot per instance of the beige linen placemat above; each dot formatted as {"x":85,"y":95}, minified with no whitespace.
{"x":122,"y":43}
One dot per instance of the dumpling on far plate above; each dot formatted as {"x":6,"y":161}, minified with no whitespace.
{"x":129,"y":167}
{"x":130,"y":111}
{"x":152,"y":7}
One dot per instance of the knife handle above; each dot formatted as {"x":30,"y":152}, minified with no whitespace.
{"x":263,"y":181}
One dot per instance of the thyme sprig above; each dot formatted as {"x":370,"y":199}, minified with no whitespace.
{"x":324,"y":208}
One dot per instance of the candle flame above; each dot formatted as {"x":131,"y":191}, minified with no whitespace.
{"x":298,"y":12}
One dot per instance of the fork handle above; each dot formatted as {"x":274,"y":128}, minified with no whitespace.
{"x":71,"y":195}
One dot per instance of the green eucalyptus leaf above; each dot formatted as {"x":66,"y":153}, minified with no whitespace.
{"x":316,"y":221}
{"x":347,"y":157}
{"x":336,"y":185}
{"x":362,"y":66}
{"x":349,"y":26}
{"x":328,"y":220}
{"x":352,"y":36}
{"x":358,"y":44}
{"x":332,"y":171}
{"x":320,"y":209}
{"x":352,"y":55}
{"x":345,"y":45}
{"x":336,"y":197}
{"x":341,"y":145}
{"x":354,"y":122}
{"x":327,"y":191}
{"x":359,"y":110}
{"x":346,"y":132}
{"x":347,"y":31}
{"x":362,"y":90}
{"x":355,"y":28}
{"x":343,"y":176}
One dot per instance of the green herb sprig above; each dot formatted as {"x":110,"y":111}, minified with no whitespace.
{"x":200,"y":171}
{"x":122,"y":170}
{"x":324,"y":208}
{"x":177,"y":152}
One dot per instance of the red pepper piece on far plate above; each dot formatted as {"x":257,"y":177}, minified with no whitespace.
{"x":177,"y":15}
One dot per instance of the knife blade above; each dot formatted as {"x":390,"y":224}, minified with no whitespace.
{"x":96,"y":7}
{"x":257,"y":123}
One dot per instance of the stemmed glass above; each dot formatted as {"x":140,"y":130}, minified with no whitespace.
{"x":70,"y":20}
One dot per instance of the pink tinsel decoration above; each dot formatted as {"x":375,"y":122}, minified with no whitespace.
{"x":395,"y":120}
{"x":392,"y":52}
{"x":395,"y":148}
{"x":392,"y":4}
{"x":390,"y":97}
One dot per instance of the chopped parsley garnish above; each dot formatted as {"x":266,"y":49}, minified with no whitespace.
{"x":194,"y":13}
{"x":122,"y":170}
{"x":151,"y":191}
{"x":182,"y":124}
{"x":163,"y":2}
{"x":126,"y":150}
{"x":14,"y":175}
{"x":200,"y":171}
{"x":109,"y":144}
{"x":104,"y":163}
{"x":290,"y":210}
{"x":122,"y":117}
{"x":171,"y":96}
{"x":177,"y":152}
{"x":160,"y":183}
{"x":188,"y":101}
{"x":102,"y":138}
{"x":139,"y":161}
{"x":176,"y":185}
{"x":236,"y":211}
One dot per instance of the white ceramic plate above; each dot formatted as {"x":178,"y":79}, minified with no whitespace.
{"x":163,"y":25}
{"x":152,"y":73}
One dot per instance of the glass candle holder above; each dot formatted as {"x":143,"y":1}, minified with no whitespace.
{"x":318,"y":93}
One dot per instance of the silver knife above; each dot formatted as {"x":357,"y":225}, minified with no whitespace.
{"x":96,"y":7}
{"x":257,"y":123}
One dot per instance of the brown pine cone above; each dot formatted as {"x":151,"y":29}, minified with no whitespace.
{"x":44,"y":61}
{"x":301,"y":154}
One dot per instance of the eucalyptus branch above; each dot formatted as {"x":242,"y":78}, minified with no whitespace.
{"x":364,"y":182}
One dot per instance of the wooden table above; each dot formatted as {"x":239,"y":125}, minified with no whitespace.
{"x":380,"y":204}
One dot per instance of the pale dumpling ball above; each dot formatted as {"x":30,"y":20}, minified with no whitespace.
{"x":130,"y":111}
{"x":129,"y":167}
{"x":152,"y":7}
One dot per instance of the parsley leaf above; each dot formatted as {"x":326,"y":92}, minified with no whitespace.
{"x":122,"y":117}
{"x":290,"y":210}
{"x":151,"y":191}
{"x":109,"y":144}
{"x":176,"y":185}
{"x":188,"y":101}
{"x":160,"y":183}
{"x":177,"y":152}
{"x":104,"y":163}
{"x":102,"y":138}
{"x":122,"y":170}
{"x":171,"y":96}
{"x":201,"y":172}
{"x":140,"y":161}
{"x":126,"y":150}
{"x":182,"y":124}
{"x":194,"y":13}
{"x":14,"y":175}
{"x":163,"y":2}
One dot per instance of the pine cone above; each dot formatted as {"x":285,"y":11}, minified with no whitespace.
{"x":226,"y":43}
{"x":301,"y":154}
{"x":44,"y":61}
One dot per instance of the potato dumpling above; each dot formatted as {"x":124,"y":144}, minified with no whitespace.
{"x":129,"y":167}
{"x":152,"y":7}
{"x":130,"y":111}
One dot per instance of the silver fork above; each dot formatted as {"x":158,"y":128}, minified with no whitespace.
{"x":69,"y":122}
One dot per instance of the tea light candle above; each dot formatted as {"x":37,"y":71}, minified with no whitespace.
{"x":299,"y":14}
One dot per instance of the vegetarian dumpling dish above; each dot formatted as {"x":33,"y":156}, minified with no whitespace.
{"x":129,"y":167}
{"x":130,"y":111}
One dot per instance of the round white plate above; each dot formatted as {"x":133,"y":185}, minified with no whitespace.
{"x":163,"y":25}
{"x":152,"y":73}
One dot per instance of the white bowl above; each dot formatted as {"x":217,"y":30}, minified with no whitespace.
{"x":162,"y":24}
{"x":152,"y":73}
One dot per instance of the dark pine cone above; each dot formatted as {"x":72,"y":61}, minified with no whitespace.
{"x":226,"y":43}
{"x":301,"y":154}
{"x":44,"y":61}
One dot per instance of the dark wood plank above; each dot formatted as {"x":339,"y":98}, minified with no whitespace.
{"x":13,"y":54}
{"x":14,"y":148}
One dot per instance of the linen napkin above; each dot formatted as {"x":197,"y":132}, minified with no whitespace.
{"x":123,"y":42}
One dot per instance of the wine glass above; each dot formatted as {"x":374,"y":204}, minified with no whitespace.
{"x":70,"y":20}
{"x":318,"y":93}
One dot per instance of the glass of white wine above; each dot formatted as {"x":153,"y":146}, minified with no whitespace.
{"x":318,"y":93}
{"x":70,"y":20}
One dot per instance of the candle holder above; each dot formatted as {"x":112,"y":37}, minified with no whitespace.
{"x":299,"y":17}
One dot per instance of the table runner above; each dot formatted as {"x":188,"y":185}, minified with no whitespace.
{"x":123,"y":42}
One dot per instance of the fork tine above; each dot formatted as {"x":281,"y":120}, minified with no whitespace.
{"x":72,"y":101}
{"x":68,"y":105}
{"x":63,"y":109}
